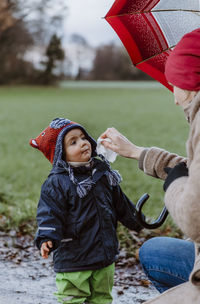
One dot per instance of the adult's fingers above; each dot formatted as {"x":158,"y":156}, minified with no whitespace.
{"x":109,"y":145}
{"x":109,"y":133}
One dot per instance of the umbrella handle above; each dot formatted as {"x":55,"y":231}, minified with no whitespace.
{"x":158,"y":222}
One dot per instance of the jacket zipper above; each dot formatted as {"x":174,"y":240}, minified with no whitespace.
{"x":105,"y":252}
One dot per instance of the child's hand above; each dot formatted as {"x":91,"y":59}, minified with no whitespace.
{"x":45,"y":248}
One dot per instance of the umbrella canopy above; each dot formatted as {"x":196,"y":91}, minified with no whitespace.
{"x":149,"y":29}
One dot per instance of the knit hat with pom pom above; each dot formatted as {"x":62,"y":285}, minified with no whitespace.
{"x":50,"y":140}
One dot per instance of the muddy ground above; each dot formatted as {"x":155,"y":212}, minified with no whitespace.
{"x":26,"y":278}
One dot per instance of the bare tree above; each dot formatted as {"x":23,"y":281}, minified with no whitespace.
{"x":43,"y":17}
{"x":83,"y":54}
{"x":6,"y":18}
{"x":22,"y":25}
{"x":14,"y":41}
{"x":112,"y":62}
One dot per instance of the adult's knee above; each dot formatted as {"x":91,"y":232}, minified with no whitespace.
{"x":166,"y":252}
{"x":147,"y":250}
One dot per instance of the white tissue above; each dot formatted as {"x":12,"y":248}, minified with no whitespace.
{"x":107,"y":153}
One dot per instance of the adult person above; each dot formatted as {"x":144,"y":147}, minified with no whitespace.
{"x":168,"y":261}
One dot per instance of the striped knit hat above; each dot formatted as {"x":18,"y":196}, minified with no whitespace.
{"x":50,"y":140}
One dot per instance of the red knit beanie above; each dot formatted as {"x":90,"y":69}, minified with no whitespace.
{"x":182,"y":68}
{"x":46,"y":141}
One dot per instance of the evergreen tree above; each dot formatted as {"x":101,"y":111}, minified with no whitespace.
{"x":54,"y":53}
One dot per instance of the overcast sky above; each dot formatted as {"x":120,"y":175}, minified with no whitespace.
{"x":85,"y":18}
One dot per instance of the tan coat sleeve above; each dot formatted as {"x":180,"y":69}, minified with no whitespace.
{"x":154,"y":160}
{"x":182,"y":198}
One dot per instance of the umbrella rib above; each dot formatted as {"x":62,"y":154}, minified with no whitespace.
{"x":171,"y":47}
{"x":175,"y":10}
{"x":154,"y":11}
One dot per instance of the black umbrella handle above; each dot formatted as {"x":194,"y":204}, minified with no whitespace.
{"x":158,"y":222}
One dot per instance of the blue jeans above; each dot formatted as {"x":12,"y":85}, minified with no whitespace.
{"x":167,"y":261}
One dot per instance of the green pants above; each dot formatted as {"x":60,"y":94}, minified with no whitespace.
{"x":89,"y":286}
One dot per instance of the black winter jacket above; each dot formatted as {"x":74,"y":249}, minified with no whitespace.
{"x":83,"y":231}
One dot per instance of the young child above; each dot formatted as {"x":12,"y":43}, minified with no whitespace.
{"x":80,"y":204}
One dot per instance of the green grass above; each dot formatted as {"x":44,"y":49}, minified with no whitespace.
{"x":147,"y":117}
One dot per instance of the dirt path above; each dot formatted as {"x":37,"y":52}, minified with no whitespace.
{"x":25,"y":278}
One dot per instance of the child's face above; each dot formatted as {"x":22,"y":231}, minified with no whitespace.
{"x":77,"y":147}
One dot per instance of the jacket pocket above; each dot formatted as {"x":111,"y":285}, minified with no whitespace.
{"x":69,"y":231}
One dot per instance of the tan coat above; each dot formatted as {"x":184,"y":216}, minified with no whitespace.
{"x":182,"y":199}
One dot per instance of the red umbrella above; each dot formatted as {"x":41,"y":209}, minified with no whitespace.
{"x":149,"y":29}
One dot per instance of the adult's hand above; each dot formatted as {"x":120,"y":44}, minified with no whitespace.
{"x":120,"y":144}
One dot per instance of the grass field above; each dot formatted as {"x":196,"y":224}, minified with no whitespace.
{"x":147,"y":117}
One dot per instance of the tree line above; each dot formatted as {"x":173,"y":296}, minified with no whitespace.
{"x":112,"y":62}
{"x":28,"y":27}
{"x":24,"y":26}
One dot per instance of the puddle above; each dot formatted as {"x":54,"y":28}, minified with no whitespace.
{"x":26,"y":278}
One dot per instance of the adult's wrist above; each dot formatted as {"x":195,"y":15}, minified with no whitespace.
{"x":136,"y":152}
